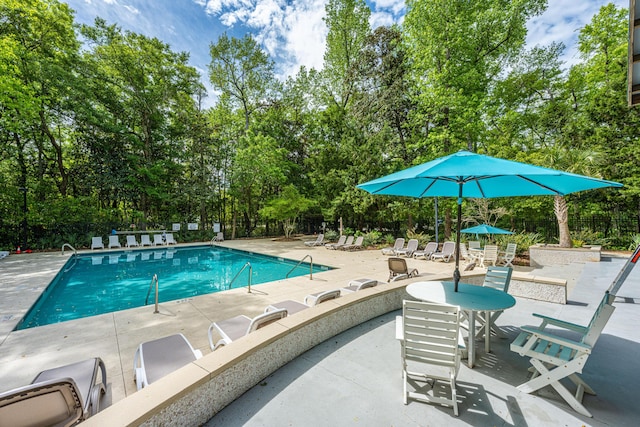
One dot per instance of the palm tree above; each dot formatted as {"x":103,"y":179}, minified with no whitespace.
{"x":579,"y":161}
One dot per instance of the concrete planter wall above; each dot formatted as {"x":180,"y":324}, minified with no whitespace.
{"x":541,"y":255}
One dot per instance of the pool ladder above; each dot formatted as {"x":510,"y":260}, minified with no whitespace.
{"x":75,"y":256}
{"x":248,"y":264}
{"x":154,"y":280}
{"x":300,"y":262}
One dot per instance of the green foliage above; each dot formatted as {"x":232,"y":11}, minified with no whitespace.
{"x":423,"y":238}
{"x":372,"y":238}
{"x":523,"y":240}
{"x":287,"y":208}
{"x":331,"y":235}
{"x":635,"y":243}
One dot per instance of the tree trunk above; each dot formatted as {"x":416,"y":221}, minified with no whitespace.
{"x":561,"y":210}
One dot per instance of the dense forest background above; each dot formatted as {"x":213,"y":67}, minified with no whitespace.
{"x":102,"y":128}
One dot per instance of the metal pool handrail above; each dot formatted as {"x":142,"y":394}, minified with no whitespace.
{"x":301,"y":261}
{"x":71,"y":247}
{"x":241,"y":270}
{"x":75,"y":256}
{"x":146,"y":301}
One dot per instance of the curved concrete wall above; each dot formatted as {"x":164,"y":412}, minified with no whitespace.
{"x":195,"y":393}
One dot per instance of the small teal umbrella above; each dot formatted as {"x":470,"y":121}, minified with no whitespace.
{"x":485,"y":229}
{"x":466,"y":174}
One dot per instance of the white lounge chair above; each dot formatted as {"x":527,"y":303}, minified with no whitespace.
{"x":239,"y":326}
{"x":359,"y":284}
{"x":318,"y":242}
{"x":448,"y":251}
{"x":398,"y":270}
{"x":430,"y":353}
{"x":61,"y":396}
{"x":399,"y":244}
{"x":145,"y":240}
{"x":96,"y":243}
{"x":554,"y":357}
{"x":341,"y":241}
{"x":131,"y":241}
{"x":412,"y":246}
{"x":170,"y":240}
{"x":354,"y":246}
{"x":429,"y":248}
{"x":158,"y":358}
{"x":309,"y":301}
{"x":114,"y":242}
{"x":219,"y":237}
{"x":157,"y":240}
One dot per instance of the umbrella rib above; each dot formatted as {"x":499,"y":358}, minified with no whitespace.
{"x":426,"y":189}
{"x":559,"y":193}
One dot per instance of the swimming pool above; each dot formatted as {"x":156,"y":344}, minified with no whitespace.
{"x":98,"y":283}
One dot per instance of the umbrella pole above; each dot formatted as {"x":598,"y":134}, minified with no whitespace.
{"x":456,"y":271}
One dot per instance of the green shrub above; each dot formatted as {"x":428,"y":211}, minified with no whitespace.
{"x":423,"y":238}
{"x":331,"y":235}
{"x":372,"y":238}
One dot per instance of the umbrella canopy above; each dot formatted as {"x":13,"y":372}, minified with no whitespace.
{"x":466,"y":174}
{"x":485,"y":229}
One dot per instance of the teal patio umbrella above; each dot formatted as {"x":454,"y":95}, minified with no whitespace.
{"x":466,"y":174}
{"x":485,"y":229}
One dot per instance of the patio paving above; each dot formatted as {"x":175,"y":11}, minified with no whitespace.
{"x":353,"y":379}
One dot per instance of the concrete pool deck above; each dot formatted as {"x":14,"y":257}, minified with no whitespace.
{"x":314,"y":386}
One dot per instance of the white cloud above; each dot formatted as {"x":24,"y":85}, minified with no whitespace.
{"x":379,"y":19}
{"x":394,"y":6}
{"x":291,"y":31}
{"x":562,"y":21}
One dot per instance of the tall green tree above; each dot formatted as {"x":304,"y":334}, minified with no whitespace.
{"x":240,"y":69}
{"x":147,"y":93}
{"x":458,"y":49}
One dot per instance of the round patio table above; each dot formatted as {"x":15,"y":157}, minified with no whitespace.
{"x":470,"y":298}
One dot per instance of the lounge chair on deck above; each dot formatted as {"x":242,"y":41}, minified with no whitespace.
{"x":145,"y":240}
{"x":61,"y":396}
{"x":318,"y":242}
{"x":309,"y":301}
{"x":157,"y":240}
{"x":239,"y":326}
{"x":399,"y":244}
{"x":347,"y":242}
{"x":96,"y":243}
{"x":219,"y":237}
{"x":170,"y":240}
{"x":155,"y":359}
{"x":131,"y":241}
{"x":354,"y":246}
{"x":429,"y":248}
{"x":398,"y":270}
{"x":448,"y":251}
{"x":341,"y":240}
{"x":359,"y":284}
{"x":114,"y":242}
{"x":412,"y":246}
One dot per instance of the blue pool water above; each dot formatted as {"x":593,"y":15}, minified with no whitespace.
{"x":99,"y":283}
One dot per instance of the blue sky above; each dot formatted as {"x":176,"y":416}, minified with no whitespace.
{"x":292,"y":31}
